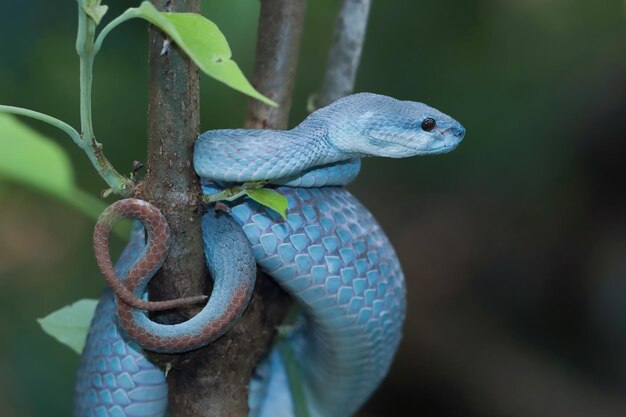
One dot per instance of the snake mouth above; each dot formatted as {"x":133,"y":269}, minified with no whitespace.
{"x":455,"y":131}
{"x":451,"y":136}
{"x":435,"y":148}
{"x":438,"y":147}
{"x":443,"y":140}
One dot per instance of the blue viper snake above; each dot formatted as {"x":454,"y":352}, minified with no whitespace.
{"x":329,"y":254}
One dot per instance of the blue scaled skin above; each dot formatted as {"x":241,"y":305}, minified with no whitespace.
{"x":330,"y":255}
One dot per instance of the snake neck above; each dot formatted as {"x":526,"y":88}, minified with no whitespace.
{"x":250,"y":155}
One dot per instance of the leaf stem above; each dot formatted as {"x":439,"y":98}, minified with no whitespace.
{"x":127,"y":15}
{"x":85,"y":50}
{"x":86,"y":80}
{"x":72,"y":133}
{"x":118,"y":183}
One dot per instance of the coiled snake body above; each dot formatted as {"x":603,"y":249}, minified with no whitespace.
{"x":330,"y":254}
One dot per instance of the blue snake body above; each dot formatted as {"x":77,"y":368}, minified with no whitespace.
{"x":330,"y":255}
{"x":114,"y":377}
{"x":334,"y":259}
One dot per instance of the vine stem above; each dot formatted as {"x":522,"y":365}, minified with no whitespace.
{"x":118,"y":183}
{"x":86,"y":50}
{"x":108,"y":28}
{"x":19,"y":111}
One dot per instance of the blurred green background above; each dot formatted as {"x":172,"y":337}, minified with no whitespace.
{"x":514,"y":245}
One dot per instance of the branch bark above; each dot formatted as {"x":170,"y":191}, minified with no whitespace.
{"x":211,"y":381}
{"x":171,"y":185}
{"x":345,"y":51}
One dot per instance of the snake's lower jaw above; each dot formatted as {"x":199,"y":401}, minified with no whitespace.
{"x":450,"y":138}
{"x":456,"y":136}
{"x":438,"y":148}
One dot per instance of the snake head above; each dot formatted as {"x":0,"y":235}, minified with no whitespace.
{"x":392,"y":128}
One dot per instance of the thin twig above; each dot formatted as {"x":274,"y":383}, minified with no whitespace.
{"x":345,"y":51}
{"x":59,"y":124}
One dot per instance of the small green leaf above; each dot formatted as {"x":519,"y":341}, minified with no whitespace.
{"x":205,"y":44}
{"x":96,"y":12}
{"x":70,"y":324}
{"x":35,"y":160}
{"x":270,"y":198}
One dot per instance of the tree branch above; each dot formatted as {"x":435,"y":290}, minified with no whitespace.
{"x":345,"y":52}
{"x":211,"y":381}
{"x":171,"y":184}
{"x":278,"y":47}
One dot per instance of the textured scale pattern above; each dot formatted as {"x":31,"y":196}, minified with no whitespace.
{"x":339,"y":173}
{"x":243,"y":163}
{"x":330,"y":255}
{"x":102,"y":386}
{"x":233,"y":269}
{"x":222,"y":239}
{"x":152,"y":256}
{"x":115,"y":379}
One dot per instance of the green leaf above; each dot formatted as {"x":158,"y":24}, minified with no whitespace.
{"x":96,"y":12}
{"x":33,"y":159}
{"x":202,"y":40}
{"x":70,"y":324}
{"x":270,"y":198}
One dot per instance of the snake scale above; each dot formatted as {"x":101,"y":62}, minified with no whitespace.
{"x":329,"y":254}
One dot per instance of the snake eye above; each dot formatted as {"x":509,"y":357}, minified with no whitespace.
{"x":428,"y":124}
